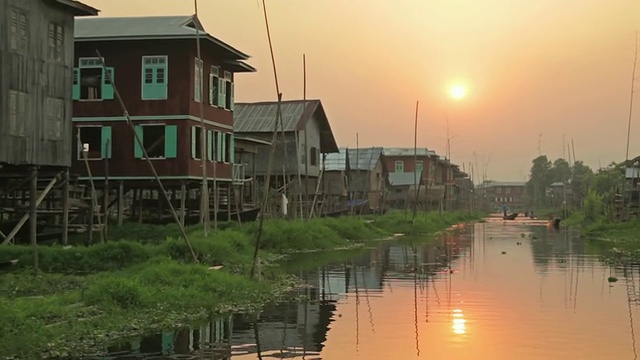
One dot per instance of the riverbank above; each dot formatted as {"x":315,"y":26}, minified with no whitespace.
{"x":620,"y":239}
{"x":144,"y":279}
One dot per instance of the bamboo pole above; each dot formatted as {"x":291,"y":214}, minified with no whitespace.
{"x":25,"y":217}
{"x":33,"y":215}
{"x":146,"y":157}
{"x":415,"y":163}
{"x":204,"y":205}
{"x":94,"y":199}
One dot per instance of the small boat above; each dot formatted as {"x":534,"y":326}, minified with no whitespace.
{"x":555,"y":222}
{"x":8,"y":263}
{"x":511,"y":216}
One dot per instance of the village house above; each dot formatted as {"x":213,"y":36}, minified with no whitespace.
{"x":356,"y":179}
{"x":153,"y":63}
{"x":437,"y":174}
{"x":36,"y":57}
{"x":403,"y":185}
{"x":303,"y":138}
{"x":494,"y":194}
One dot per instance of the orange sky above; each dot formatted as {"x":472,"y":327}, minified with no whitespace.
{"x":531,"y":67}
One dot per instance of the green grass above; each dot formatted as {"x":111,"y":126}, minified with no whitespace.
{"x":144,"y":278}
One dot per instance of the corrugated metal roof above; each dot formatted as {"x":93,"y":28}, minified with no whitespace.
{"x":260,"y":117}
{"x":405,"y":178}
{"x":364,"y":158}
{"x":336,"y":161}
{"x":145,"y":27}
{"x":78,"y":7}
{"x":501,"y":183}
{"x":408,"y":152}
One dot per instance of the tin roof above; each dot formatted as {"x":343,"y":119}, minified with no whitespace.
{"x":405,"y":178}
{"x":147,"y":28}
{"x":78,"y":8}
{"x":492,"y":183}
{"x":355,"y":159}
{"x":409,"y":152}
{"x":260,"y":117}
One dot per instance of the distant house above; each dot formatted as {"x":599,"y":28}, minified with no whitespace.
{"x":403,"y":190}
{"x":36,"y":62}
{"x":357,"y":176}
{"x":153,"y":63}
{"x":298,"y":153}
{"x":493,"y":194}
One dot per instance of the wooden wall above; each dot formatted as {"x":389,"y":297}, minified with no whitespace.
{"x":42,"y":133}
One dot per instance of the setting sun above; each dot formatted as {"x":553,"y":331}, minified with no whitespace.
{"x":457,"y":92}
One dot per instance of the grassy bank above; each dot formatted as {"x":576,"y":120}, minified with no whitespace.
{"x":144,"y":279}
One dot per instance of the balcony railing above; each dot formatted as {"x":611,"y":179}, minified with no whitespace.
{"x":239,"y":173}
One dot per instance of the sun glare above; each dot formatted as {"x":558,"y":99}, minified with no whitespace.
{"x":457,"y":92}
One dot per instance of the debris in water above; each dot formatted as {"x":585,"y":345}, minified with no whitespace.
{"x":612,"y":279}
{"x":504,"y":252}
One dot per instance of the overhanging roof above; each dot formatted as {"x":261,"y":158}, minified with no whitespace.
{"x":152,"y":28}
{"x":78,"y":8}
{"x":260,"y":117}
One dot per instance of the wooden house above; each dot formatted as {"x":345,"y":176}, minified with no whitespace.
{"x":493,"y":194}
{"x":426,"y":162}
{"x":406,"y":189}
{"x":357,"y":177}
{"x":153,"y":63}
{"x":304,"y":137}
{"x":36,"y":62}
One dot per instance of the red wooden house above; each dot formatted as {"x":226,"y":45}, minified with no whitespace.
{"x":153,"y":63}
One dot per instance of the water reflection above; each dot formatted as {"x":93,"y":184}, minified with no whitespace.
{"x":492,"y":290}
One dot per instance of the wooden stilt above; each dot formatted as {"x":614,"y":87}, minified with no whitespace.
{"x":120,"y":203}
{"x":140,"y":200}
{"x":33,"y":215}
{"x":183,"y":202}
{"x":65,"y":209}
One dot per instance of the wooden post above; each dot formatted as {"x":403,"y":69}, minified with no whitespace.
{"x":65,"y":209}
{"x":183,"y":202}
{"x":120,"y":202}
{"x":33,"y":217}
{"x":140,"y":200}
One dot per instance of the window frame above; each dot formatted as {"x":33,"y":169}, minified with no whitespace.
{"x":198,"y":81}
{"x":55,"y":42}
{"x":104,"y":153}
{"x":18,"y":30}
{"x":107,"y":77}
{"x":395,"y":167}
{"x":214,"y":78}
{"x":154,"y":76}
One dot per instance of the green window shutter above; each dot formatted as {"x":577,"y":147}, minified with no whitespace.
{"x":209,"y":145}
{"x":221,"y":92}
{"x":232,"y":148}
{"x":147,"y":82}
{"x":171,"y":141}
{"x":107,"y":88}
{"x":218,"y":146}
{"x":107,"y":143}
{"x":224,"y":148}
{"x":161,"y":74}
{"x":154,"y":81}
{"x":138,"y":153}
{"x":76,"y":84}
{"x":211,"y":87}
{"x":193,"y":142}
{"x":232,"y":104}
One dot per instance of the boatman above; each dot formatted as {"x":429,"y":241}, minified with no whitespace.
{"x":504,"y":210}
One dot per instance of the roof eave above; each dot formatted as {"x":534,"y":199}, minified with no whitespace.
{"x":79,"y":8}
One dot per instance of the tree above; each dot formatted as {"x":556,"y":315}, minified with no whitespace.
{"x":581,"y":179}
{"x":560,"y":171}
{"x":539,"y":180}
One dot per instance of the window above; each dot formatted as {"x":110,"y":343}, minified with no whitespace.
{"x":498,"y":190}
{"x":96,"y":142}
{"x":159,"y":140}
{"x":419,"y":166}
{"x":196,"y":144}
{"x":210,"y":144}
{"x":91,"y":81}
{"x":56,"y":42}
{"x":214,"y":81}
{"x":54,"y":110}
{"x":197,"y":81}
{"x":18,"y":31}
{"x":220,"y":146}
{"x":17,"y":112}
{"x":228,"y":91}
{"x":154,"y":77}
{"x":313,"y":156}
{"x":229,"y":150}
{"x":507,"y":190}
{"x":399,"y":166}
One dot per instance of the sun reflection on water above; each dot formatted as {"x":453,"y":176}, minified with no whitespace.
{"x":459,"y":323}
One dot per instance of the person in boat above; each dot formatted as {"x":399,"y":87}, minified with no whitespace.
{"x":504,"y":210}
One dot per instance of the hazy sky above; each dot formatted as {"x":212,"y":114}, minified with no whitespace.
{"x":549,"y":67}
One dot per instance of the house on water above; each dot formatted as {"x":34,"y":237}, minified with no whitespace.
{"x":36,"y":62}
{"x":153,"y":63}
{"x":304,"y":137}
{"x":356,"y":178}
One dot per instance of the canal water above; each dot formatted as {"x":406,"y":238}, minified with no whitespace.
{"x":493,"y":290}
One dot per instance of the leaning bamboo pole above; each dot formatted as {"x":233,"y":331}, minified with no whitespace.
{"x":146,"y":157}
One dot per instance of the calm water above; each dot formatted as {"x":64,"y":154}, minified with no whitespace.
{"x":475,"y":294}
